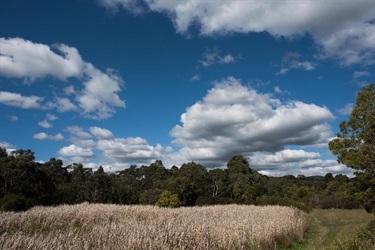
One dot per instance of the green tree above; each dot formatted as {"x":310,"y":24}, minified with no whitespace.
{"x":355,"y":144}
{"x":102,"y":186}
{"x":167,"y":199}
{"x":81,"y":184}
{"x":239,"y":175}
{"x":55,"y":177}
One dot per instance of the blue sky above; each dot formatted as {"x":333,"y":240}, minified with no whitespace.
{"x":121,"y":82}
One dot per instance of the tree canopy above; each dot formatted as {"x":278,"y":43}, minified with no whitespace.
{"x":25,"y":183}
{"x":355,"y":144}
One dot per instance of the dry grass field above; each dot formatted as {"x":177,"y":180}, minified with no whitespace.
{"x":99,"y":226}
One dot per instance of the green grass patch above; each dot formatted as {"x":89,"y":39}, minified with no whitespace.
{"x":335,"y":228}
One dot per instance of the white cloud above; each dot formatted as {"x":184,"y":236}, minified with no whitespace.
{"x":295,"y":162}
{"x":116,"y":152}
{"x":282,"y":71}
{"x":75,"y":151}
{"x":131,"y":150}
{"x":291,"y":60}
{"x":6,"y":145}
{"x":227,"y":59}
{"x":97,"y":98}
{"x":359,"y":74}
{"x":211,"y":57}
{"x":278,"y":90}
{"x":63,"y":104}
{"x":45,"y":124}
{"x":51,"y":117}
{"x":342,"y":29}
{"x":100,"y":95}
{"x":69,"y":90}
{"x":44,"y":136}
{"x":135,"y":7}
{"x":358,"y":77}
{"x":22,"y":58}
{"x":20,"y":101}
{"x":78,"y":132}
{"x":353,"y":44}
{"x":101,"y":133}
{"x":347,"y":109}
{"x":84,"y":143}
{"x":195,"y":78}
{"x":234,"y":119}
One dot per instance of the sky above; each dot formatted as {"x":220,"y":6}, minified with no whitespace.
{"x":115,"y":83}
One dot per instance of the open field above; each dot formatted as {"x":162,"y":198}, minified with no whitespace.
{"x":98,"y":226}
{"x":331,"y":226}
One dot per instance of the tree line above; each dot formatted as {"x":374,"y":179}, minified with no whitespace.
{"x":25,"y":183}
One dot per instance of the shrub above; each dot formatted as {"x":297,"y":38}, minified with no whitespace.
{"x":167,"y":199}
{"x":363,"y":239}
{"x":14,"y":202}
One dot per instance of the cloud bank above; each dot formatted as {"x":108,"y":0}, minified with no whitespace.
{"x":117,"y":152}
{"x":235,"y":119}
{"x":342,"y":29}
{"x":231,"y":119}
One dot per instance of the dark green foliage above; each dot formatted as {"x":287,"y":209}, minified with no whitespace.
{"x":24,"y":183}
{"x":14,"y":202}
{"x":355,"y":144}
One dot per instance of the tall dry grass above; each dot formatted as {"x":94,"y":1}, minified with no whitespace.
{"x":99,"y":226}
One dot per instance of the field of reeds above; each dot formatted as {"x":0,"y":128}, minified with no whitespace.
{"x":100,"y":226}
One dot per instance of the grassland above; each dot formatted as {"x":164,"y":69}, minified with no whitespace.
{"x":332,"y":229}
{"x":98,"y":226}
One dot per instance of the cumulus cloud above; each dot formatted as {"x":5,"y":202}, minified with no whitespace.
{"x":117,"y":152}
{"x":22,"y":58}
{"x":130,"y":150}
{"x":78,"y":132}
{"x":20,"y":101}
{"x":211,"y":57}
{"x":44,"y":136}
{"x":75,"y":151}
{"x":63,"y":104}
{"x":98,"y":97}
{"x":353,"y":44}
{"x":101,"y":133}
{"x":45,"y":124}
{"x":234,"y":119}
{"x":295,"y":162}
{"x":51,"y":117}
{"x":342,"y":29}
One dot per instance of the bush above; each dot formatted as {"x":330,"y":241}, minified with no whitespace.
{"x":363,"y":239}
{"x":167,"y":199}
{"x":14,"y":202}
